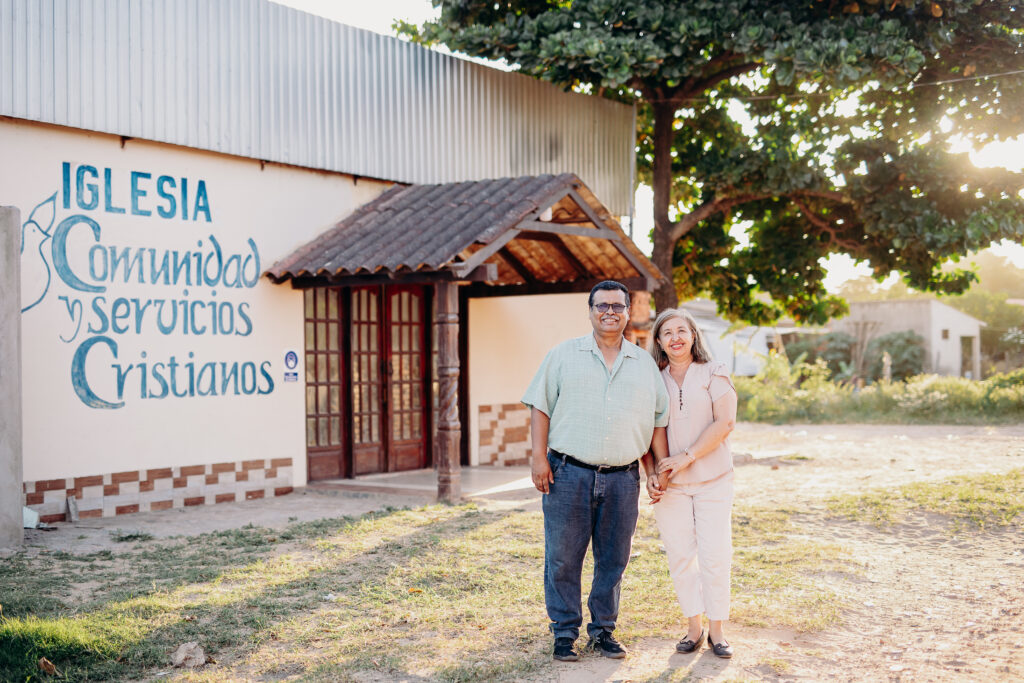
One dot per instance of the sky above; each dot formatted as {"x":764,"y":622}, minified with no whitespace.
{"x":378,"y":15}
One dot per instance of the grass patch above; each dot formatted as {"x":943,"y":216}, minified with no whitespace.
{"x":979,"y":500}
{"x":778,"y":666}
{"x":123,"y":536}
{"x":440,"y":592}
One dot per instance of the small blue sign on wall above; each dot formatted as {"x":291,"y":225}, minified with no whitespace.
{"x":291,"y":361}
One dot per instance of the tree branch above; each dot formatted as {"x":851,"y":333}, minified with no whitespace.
{"x":723,"y":75}
{"x":825,"y":226}
{"x":723,"y":204}
{"x":708,"y":209}
{"x":837,"y":197}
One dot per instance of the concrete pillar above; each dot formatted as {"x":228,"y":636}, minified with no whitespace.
{"x":11,"y":499}
{"x":448,"y":439}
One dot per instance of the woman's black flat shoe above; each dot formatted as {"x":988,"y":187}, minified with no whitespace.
{"x":687,"y":646}
{"x":723,"y":650}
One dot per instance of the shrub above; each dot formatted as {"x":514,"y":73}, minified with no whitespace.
{"x":1008,"y":379}
{"x":906,"y":350}
{"x":802,"y":392}
{"x":834,"y":348}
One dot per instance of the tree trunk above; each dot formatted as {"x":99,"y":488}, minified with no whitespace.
{"x":664,"y":117}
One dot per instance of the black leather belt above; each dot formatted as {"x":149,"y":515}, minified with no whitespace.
{"x":597,"y":468}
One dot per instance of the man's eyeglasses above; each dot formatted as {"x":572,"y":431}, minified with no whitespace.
{"x":603,"y":308}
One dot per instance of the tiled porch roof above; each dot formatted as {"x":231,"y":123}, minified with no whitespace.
{"x":495,"y":231}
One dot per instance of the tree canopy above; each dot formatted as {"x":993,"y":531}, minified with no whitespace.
{"x":822,"y":126}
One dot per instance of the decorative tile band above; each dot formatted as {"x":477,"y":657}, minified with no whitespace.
{"x":122,"y":493}
{"x":505,"y":434}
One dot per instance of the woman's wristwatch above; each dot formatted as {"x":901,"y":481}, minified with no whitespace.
{"x":693,"y":458}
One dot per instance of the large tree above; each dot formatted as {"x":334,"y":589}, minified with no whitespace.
{"x":823,"y":126}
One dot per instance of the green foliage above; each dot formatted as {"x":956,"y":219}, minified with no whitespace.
{"x":800,"y":392}
{"x":905,"y":349}
{"x":835,"y":348}
{"x":1007,"y":380}
{"x":816,"y":124}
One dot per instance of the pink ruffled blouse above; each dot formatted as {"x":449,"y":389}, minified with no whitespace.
{"x":690,"y":413}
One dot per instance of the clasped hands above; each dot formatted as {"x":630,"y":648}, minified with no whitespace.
{"x":657,"y":485}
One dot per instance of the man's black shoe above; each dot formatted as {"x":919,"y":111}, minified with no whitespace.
{"x":564,"y":651}
{"x":605,"y":643}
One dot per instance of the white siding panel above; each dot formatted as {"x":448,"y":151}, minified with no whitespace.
{"x":260,"y":80}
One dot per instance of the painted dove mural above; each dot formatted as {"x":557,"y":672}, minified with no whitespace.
{"x":35,"y":245}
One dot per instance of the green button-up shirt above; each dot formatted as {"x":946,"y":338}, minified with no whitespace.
{"x":597,"y":416}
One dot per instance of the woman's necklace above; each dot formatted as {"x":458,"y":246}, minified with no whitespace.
{"x":680,"y":383}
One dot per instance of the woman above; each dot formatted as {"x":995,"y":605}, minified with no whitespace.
{"x":694,"y":489}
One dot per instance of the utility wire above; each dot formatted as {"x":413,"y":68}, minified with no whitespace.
{"x":910,"y":86}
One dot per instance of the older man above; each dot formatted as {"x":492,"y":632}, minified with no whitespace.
{"x":597,"y":405}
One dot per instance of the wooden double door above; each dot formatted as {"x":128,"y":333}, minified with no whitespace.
{"x":367,"y":380}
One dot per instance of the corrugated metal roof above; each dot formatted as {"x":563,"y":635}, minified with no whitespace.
{"x":458,"y":227}
{"x":260,"y":80}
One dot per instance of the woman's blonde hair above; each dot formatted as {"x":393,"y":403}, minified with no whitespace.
{"x":699,"y":349}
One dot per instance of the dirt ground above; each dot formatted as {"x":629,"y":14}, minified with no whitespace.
{"x":930,"y":605}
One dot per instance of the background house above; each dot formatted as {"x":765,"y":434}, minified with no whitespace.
{"x":952,"y":340}
{"x":743,"y":349}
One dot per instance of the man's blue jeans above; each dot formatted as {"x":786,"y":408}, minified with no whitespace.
{"x":582,"y":506}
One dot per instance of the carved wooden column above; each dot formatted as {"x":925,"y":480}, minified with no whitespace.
{"x":448,"y":440}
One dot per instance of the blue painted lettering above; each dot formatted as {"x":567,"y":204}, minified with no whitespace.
{"x":138,"y":193}
{"x":122,"y":374}
{"x":66,"y":184}
{"x":192,"y":316}
{"x":78,"y":379}
{"x":130,"y":263}
{"x":81,"y":186}
{"x":158,"y":375}
{"x":161,"y":325}
{"x":159,"y":273}
{"x":169,"y":196}
{"x":242,"y":307}
{"x":207,"y":375}
{"x":253,"y":258}
{"x":191,"y":374}
{"x":75,"y":309}
{"x":173,"y":365}
{"x":248,"y":378}
{"x":225,"y":320}
{"x":101,"y":315}
{"x":202,"y":202}
{"x":180,"y":263}
{"x":108,"y":198}
{"x":60,"y":253}
{"x":119,"y":312}
{"x":229,"y":378}
{"x":172,"y":202}
{"x":212,"y":280}
{"x":98,"y":256}
{"x":265,"y":371}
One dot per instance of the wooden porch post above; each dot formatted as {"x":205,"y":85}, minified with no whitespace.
{"x":449,"y":429}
